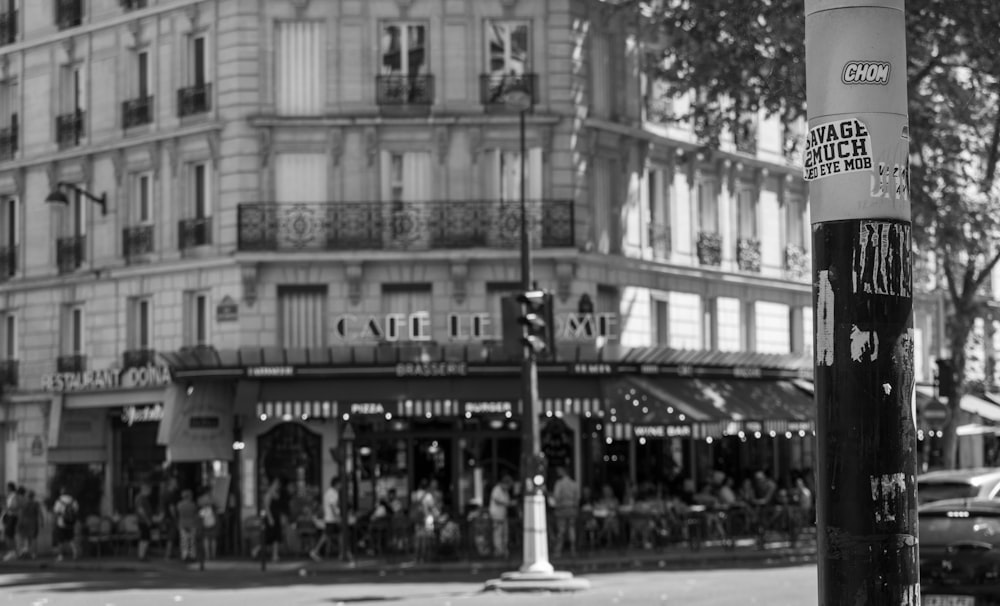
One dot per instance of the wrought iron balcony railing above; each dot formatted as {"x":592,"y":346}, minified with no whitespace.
{"x":131,"y":5}
{"x":137,"y":241}
{"x":494,"y":88}
{"x":138,"y":111}
{"x":69,"y":128}
{"x":194,"y":232}
{"x":9,"y":373}
{"x":404,"y":90}
{"x":139,"y":358}
{"x":71,"y":363}
{"x":796,"y":262}
{"x":660,"y":240}
{"x":748,"y":254}
{"x":195,"y":99}
{"x":70,"y":253}
{"x":402,"y":226}
{"x":8,"y":140}
{"x":8,"y":262}
{"x":709,"y":248}
{"x":69,"y":13}
{"x":8,"y":27}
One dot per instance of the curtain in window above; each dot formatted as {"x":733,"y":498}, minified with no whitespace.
{"x":299,"y":75}
{"x":602,"y":204}
{"x":302,"y":316}
{"x":300,"y":177}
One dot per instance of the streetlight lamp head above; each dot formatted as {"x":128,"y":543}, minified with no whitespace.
{"x":57,"y":197}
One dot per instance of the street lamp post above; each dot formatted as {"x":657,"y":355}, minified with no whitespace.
{"x":536,"y":572}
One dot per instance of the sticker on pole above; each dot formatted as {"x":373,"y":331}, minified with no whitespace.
{"x":837,"y":148}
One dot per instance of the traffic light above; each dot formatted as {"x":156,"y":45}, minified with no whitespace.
{"x":538,"y":321}
{"x":538,"y":471}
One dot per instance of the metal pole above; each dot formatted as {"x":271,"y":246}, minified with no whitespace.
{"x":856,"y":161}
{"x":535,"y":531}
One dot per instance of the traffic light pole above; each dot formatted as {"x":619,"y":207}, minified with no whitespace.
{"x":856,"y":162}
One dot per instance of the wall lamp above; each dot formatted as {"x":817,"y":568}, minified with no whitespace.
{"x":58,"y":197}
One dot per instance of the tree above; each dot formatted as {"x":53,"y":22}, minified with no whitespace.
{"x":738,"y":57}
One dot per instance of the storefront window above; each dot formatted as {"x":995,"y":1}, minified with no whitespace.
{"x":84,"y":481}
{"x":139,"y":459}
{"x":291,"y":453}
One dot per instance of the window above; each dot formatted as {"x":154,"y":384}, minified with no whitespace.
{"x":795,"y":222}
{"x":602,"y":175}
{"x":685,"y":321}
{"x":198,"y":331}
{"x":74,"y":336}
{"x":10,"y":341}
{"x":404,"y":49}
{"x":658,"y":207}
{"x":601,"y":76}
{"x":505,"y":175}
{"x":727,"y":324}
{"x":198,"y":64}
{"x":507,"y":47}
{"x":74,"y":97}
{"x":200,"y":193}
{"x":9,"y":104}
{"x":300,"y":177}
{"x":746,"y":203}
{"x":408,"y":309}
{"x":300,"y":79}
{"x":661,"y":319}
{"x":143,"y":196}
{"x":141,"y":324}
{"x":8,"y":21}
{"x":12,"y":223}
{"x":142,"y":86}
{"x":773,"y":327}
{"x":406,"y":177}
{"x":302,"y":316}
{"x":708,"y":207}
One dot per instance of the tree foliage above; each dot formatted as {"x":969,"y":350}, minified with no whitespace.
{"x":738,"y":56}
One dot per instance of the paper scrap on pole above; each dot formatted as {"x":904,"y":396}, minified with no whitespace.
{"x":837,"y":148}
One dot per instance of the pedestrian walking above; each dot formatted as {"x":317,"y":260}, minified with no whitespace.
{"x":209,"y":524}
{"x":331,"y":520}
{"x":500,"y":502}
{"x":187,"y":526}
{"x":12,"y":509}
{"x":144,"y":518}
{"x":67,"y":513}
{"x":566,"y":503}
{"x":28,"y":525}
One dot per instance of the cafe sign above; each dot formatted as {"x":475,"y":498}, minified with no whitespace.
{"x":107,"y":379}
{"x":150,"y":413}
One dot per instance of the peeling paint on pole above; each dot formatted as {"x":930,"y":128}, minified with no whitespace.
{"x":857,"y":164}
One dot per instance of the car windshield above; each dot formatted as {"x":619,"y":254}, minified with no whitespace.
{"x":939,"y":491}
{"x":947,"y":527}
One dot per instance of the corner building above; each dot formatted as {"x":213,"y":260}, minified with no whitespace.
{"x":288,"y":225}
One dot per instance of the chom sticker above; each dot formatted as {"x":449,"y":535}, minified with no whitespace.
{"x":866,"y":72}
{"x":837,"y":148}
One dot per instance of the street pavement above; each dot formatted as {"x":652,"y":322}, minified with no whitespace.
{"x":777,"y":586}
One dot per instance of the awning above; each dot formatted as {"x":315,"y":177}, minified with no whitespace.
{"x":988,"y":408}
{"x":423,"y":397}
{"x":197,"y":423}
{"x":711,"y":407}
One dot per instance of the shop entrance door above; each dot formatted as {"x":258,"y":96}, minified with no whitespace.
{"x":432,"y":459}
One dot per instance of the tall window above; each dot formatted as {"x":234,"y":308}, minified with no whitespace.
{"x":9,"y":104}
{"x":408,"y":309}
{"x":74,"y":337}
{"x":74,"y":96}
{"x":508,"y":49}
{"x":685,"y":321}
{"x":727,"y":324}
{"x":12,"y":223}
{"x":143,"y":192}
{"x":795,"y":222}
{"x":300,"y":177}
{"x":661,"y":321}
{"x":601,"y":76}
{"x":299,"y":71}
{"x":708,"y":207}
{"x":658,"y":208}
{"x":197,"y":318}
{"x":504,"y":179}
{"x":302,"y":314}
{"x":142,"y":86}
{"x":200,"y":192}
{"x":746,"y":202}
{"x":773,"y":327}
{"x":10,"y":342}
{"x":141,"y":325}
{"x":198,"y":64}
{"x":404,"y":49}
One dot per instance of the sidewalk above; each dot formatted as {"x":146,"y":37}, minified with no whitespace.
{"x":674,"y":558}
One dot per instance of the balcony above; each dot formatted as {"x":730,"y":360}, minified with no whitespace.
{"x":796,"y":262}
{"x":131,"y":5}
{"x":709,"y":248}
{"x":69,"y":128}
{"x":138,"y":111}
{"x":317,"y":226}
{"x":8,"y":373}
{"x":71,"y":363}
{"x":194,"y":232}
{"x":748,"y":254}
{"x":660,"y":240}
{"x":70,"y":253}
{"x":8,"y":27}
{"x":8,"y":140}
{"x":493,"y":88}
{"x":8,"y":262}
{"x":139,"y":358}
{"x":69,"y":13}
{"x":196,"y":99}
{"x":137,"y":241}
{"x":404,"y":91}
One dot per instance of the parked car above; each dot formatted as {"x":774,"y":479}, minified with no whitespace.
{"x":960,"y":552}
{"x":981,"y":483}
